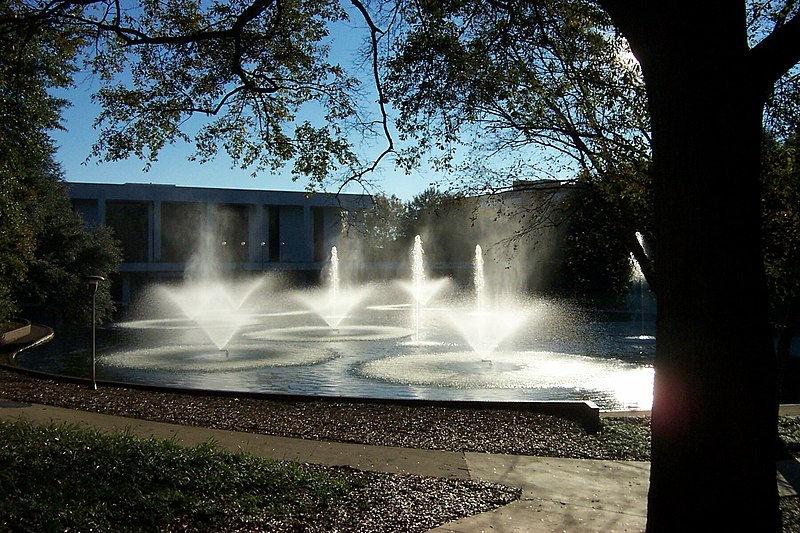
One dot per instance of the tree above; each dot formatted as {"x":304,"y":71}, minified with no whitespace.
{"x":64,"y":253}
{"x":442,"y":220}
{"x":595,"y":269}
{"x":781,"y":208}
{"x":706,"y":84}
{"x":383,"y":239}
{"x":251,"y":78}
{"x":27,"y":111}
{"x":14,"y":240}
{"x":23,"y":80}
{"x":45,"y":251}
{"x":714,"y":415}
{"x":546,"y":89}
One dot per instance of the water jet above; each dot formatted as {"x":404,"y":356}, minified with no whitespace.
{"x":259,"y":335}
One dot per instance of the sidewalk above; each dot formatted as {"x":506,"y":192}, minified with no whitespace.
{"x":558,"y":494}
{"x":35,"y":334}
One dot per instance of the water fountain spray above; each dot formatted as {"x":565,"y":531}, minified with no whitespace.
{"x":478,"y":278}
{"x":638,"y":278}
{"x":334,"y":302}
{"x":334,"y":289}
{"x":215,"y":306}
{"x":417,"y":280}
{"x":488,"y":324}
{"x":465,"y":353}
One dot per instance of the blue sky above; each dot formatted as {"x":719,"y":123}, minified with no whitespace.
{"x":173,"y":167}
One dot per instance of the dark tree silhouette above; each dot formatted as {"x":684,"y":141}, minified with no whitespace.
{"x":714,"y":411}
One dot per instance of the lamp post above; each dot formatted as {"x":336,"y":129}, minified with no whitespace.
{"x":94,"y":282}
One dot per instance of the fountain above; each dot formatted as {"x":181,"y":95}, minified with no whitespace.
{"x":334,"y":291}
{"x":214,"y":306}
{"x":468,"y":346}
{"x":478,"y":278}
{"x":334,"y":303}
{"x":638,"y":280}
{"x":482,"y":327}
{"x":485,"y":326}
{"x":421,"y":289}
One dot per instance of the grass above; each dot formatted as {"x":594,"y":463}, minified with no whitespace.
{"x":626,"y":438}
{"x":629,"y":438}
{"x":60,"y":478}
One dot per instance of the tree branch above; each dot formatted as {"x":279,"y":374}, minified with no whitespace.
{"x":776,"y":54}
{"x":133,"y":37}
{"x":375,"y":32}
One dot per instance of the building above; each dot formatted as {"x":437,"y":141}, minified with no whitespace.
{"x":164,"y":228}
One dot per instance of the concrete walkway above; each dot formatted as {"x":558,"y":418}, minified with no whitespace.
{"x":558,"y":494}
{"x":572,"y":495}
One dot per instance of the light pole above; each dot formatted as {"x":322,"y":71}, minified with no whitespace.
{"x":94,"y":282}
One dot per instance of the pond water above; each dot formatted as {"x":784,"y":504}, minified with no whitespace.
{"x":383,"y":346}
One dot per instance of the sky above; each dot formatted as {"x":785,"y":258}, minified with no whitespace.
{"x":173,"y":167}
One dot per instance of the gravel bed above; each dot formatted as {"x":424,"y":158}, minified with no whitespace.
{"x":382,"y":424}
{"x":400,"y":502}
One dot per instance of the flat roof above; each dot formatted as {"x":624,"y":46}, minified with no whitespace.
{"x":179,"y":193}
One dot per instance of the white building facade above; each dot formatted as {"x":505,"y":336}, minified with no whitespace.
{"x":164,"y":228}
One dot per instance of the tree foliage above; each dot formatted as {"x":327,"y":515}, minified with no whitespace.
{"x":554,"y":76}
{"x":438,"y":217}
{"x":65,"y":252}
{"x":383,"y":238}
{"x":781,"y":200}
{"x":45,"y":251}
{"x":29,"y":66}
{"x":15,"y":242}
{"x":596,"y":269}
{"x":252,"y":78}
{"x":551,"y":89}
{"x":782,"y":102}
{"x":570,"y":255}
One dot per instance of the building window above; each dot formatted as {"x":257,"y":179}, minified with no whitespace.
{"x":87,"y":209}
{"x":231,"y":228}
{"x":320,"y":253}
{"x":131,"y":224}
{"x":182,"y":227}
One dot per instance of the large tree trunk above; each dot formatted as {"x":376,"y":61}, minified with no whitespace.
{"x":714,"y":418}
